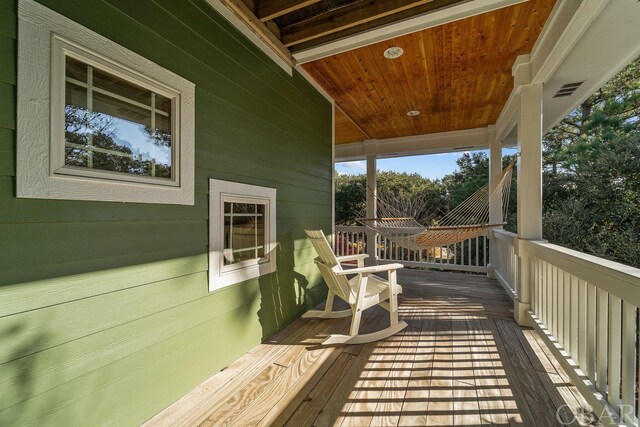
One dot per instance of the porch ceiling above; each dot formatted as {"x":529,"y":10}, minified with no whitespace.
{"x":458,"y":75}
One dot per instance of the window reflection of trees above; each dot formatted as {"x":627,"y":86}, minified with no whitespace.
{"x":86,"y":131}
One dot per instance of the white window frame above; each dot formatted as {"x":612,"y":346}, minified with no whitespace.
{"x":45,"y":38}
{"x":221,"y":275}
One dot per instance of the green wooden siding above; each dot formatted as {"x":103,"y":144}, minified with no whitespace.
{"x":105,"y":314}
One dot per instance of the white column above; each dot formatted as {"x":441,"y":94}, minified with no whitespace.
{"x":495,"y":175}
{"x":530,"y":162}
{"x":495,"y":196}
{"x":529,"y":190}
{"x":333,"y":174}
{"x":372,"y":192}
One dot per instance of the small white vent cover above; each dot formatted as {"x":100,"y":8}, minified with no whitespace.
{"x":567,"y":90}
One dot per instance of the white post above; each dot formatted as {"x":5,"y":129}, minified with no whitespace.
{"x":529,"y":181}
{"x":372,"y":193}
{"x":333,"y":175}
{"x":495,"y":196}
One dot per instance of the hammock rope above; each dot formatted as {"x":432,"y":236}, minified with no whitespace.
{"x":467,"y":220}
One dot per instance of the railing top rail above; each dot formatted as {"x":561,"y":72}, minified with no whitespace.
{"x":505,"y":236}
{"x":351,"y":228}
{"x":618,"y":279}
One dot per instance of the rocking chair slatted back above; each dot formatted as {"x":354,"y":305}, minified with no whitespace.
{"x":326,"y":262}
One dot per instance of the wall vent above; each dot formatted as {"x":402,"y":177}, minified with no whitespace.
{"x":567,"y":90}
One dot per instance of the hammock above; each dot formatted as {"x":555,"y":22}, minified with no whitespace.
{"x":467,"y":220}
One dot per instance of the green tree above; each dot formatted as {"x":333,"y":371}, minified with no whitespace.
{"x":350,"y":198}
{"x":592,"y":173}
{"x":412,"y":194}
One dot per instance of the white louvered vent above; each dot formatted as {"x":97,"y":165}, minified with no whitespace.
{"x":567,"y":90}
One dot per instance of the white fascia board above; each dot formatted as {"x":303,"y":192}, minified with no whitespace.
{"x":253,"y":37}
{"x":553,"y":46}
{"x":508,"y":116}
{"x":433,"y":143}
{"x":396,"y":29}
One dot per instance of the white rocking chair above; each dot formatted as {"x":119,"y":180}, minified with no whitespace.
{"x":361,"y":292}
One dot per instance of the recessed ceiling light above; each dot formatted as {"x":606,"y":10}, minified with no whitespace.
{"x":413,"y":113}
{"x":393,"y":52}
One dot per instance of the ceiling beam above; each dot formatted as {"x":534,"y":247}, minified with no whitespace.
{"x":271,"y":9}
{"x":433,"y":143}
{"x":377,"y":23}
{"x":346,"y":17}
{"x":259,"y":29}
{"x":435,"y":18}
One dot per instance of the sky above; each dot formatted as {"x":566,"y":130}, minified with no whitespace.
{"x":133,"y":135}
{"x":430,"y":166}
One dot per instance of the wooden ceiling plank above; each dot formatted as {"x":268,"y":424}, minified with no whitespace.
{"x":271,"y":9}
{"x":346,"y":131}
{"x":447,"y":75}
{"x":430,"y":71}
{"x":393,"y":91}
{"x":480,"y":45}
{"x":344,"y":18}
{"x":503,"y":49}
{"x":415,"y":83}
{"x":373,"y":91}
{"x":396,"y":87}
{"x":458,"y":87}
{"x":474,"y":61}
{"x":260,"y":29}
{"x":362,"y":93}
{"x":438,"y":45}
{"x":340,"y":83}
{"x":458,"y":75}
{"x":353,"y":122}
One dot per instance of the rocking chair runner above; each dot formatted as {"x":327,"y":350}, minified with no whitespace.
{"x":362,"y":291}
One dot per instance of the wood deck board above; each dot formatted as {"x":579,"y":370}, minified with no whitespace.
{"x":328,"y":406}
{"x":487,"y":381}
{"x":462,"y":361}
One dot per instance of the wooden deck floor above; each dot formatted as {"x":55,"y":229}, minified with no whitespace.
{"x":461,"y":361}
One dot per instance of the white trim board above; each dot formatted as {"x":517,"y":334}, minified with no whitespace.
{"x":411,"y":25}
{"x":34,"y":176}
{"x":433,"y":143}
{"x":333,"y":171}
{"x":554,"y":45}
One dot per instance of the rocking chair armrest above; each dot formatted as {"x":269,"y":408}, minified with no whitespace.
{"x":352,"y":257}
{"x":369,"y":270}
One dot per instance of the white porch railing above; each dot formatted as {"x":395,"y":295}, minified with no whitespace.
{"x":505,"y":260}
{"x":587,"y":309}
{"x":471,"y":255}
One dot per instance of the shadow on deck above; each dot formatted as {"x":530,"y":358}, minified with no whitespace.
{"x":462,"y":361}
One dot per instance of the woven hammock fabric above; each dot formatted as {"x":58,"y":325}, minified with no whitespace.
{"x":469,"y":219}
